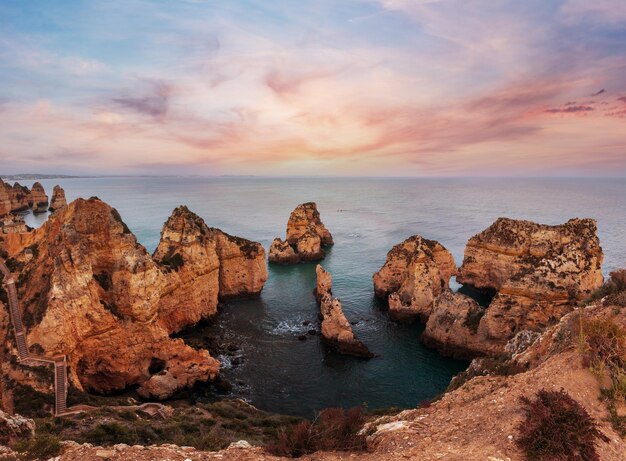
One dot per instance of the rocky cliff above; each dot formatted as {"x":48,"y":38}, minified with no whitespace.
{"x":58,"y":198}
{"x":38,"y":198}
{"x":537,"y":272}
{"x":90,"y":291}
{"x":306,"y":237}
{"x":336,"y":329}
{"x":20,"y":198}
{"x":204,"y":265}
{"x":415,"y":273}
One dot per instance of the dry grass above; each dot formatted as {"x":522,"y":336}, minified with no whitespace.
{"x":334,"y":429}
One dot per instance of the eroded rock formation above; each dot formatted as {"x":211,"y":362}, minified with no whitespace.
{"x":203,"y":266}
{"x":415,"y":273}
{"x":58,"y":198}
{"x":306,"y":237}
{"x":538,"y":273}
{"x":20,"y":198}
{"x":90,"y":291}
{"x":336,"y":329}
{"x":38,"y":199}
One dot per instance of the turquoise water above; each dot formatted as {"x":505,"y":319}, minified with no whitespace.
{"x":366,"y":217}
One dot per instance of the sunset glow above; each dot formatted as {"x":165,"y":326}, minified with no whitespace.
{"x":338,"y":88}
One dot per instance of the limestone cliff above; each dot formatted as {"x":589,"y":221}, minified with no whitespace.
{"x":203,"y":265}
{"x":90,"y":291}
{"x":20,"y":198}
{"x":58,"y":198}
{"x":336,"y":329}
{"x":38,"y":198}
{"x":415,"y":273}
{"x":306,"y":237}
{"x":538,"y":273}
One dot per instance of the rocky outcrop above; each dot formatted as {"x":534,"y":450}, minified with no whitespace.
{"x":12,"y":224}
{"x":204,"y":265}
{"x":282,"y":253}
{"x":538,"y":274}
{"x":14,"y":428}
{"x":38,"y":199}
{"x":306,"y":219}
{"x":58,"y":199}
{"x":90,"y":291}
{"x":189,"y":258}
{"x":336,"y":329}
{"x":20,"y":198}
{"x":415,"y":273}
{"x":5,"y":199}
{"x":306,"y":237}
{"x":452,"y":326}
{"x":243,"y":271}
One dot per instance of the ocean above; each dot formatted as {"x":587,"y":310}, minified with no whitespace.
{"x":272,"y":368}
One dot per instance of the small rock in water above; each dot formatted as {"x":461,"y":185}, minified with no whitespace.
{"x":306,"y":322}
{"x":312,"y":332}
{"x":301,"y":337}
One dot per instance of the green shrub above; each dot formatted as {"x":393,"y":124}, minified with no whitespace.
{"x":111,"y":433}
{"x":42,"y":446}
{"x":556,"y":427}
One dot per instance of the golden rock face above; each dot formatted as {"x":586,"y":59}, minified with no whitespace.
{"x":415,"y":273}
{"x":306,"y":237}
{"x":537,"y":272}
{"x":92,"y":292}
{"x":335,"y":328}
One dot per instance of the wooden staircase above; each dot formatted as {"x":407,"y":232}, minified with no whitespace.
{"x":25,"y":357}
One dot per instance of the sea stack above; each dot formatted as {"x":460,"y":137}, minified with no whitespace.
{"x":38,"y":198}
{"x":58,"y":199}
{"x":537,"y":274}
{"x":336,"y":329}
{"x":211,"y":265}
{"x":5,"y":199}
{"x":305,"y":239}
{"x":415,"y":273}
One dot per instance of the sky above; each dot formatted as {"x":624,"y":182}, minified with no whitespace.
{"x":319,"y":88}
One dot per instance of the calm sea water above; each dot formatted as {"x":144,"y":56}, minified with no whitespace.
{"x":366,"y":217}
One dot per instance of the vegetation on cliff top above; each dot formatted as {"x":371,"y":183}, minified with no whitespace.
{"x":556,"y":427}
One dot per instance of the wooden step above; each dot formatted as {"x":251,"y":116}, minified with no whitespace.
{"x":22,"y":348}
{"x":60,"y":379}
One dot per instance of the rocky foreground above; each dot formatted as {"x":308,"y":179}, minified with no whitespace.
{"x":91,"y":292}
{"x":478,"y":419}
